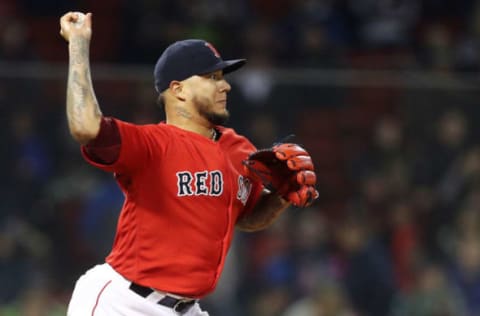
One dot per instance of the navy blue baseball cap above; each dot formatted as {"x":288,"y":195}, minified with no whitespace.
{"x":187,"y":58}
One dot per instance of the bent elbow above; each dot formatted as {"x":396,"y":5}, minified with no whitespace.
{"x":83,"y":136}
{"x":83,"y":131}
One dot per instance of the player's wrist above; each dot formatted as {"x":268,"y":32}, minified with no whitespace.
{"x":79,"y":41}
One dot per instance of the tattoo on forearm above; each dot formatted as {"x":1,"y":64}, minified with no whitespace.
{"x":77,"y":98}
{"x":264,"y":214}
{"x":81,"y":100}
{"x":78,"y":51}
{"x":78,"y":90}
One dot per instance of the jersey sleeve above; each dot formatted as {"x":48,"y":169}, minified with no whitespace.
{"x":105,"y":148}
{"x":138,"y":143}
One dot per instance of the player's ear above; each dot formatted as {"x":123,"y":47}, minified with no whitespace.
{"x":177,"y":90}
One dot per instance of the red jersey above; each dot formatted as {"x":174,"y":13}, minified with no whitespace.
{"x":183,"y":196}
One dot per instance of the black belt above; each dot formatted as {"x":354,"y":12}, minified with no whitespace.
{"x":177,"y":304}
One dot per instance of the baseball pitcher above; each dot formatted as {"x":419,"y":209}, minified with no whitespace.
{"x":188,"y":181}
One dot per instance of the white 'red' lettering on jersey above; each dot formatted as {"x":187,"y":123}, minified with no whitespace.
{"x":200,"y":183}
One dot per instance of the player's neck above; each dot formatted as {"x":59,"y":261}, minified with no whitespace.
{"x":186,"y":119}
{"x":206,"y":130}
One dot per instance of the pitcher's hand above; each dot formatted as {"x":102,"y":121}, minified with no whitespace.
{"x":76,"y":24}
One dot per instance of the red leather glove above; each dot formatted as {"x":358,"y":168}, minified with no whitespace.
{"x":286,"y":169}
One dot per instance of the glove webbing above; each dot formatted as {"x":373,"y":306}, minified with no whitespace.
{"x":263,"y":176}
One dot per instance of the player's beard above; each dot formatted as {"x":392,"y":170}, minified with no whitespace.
{"x":206,"y":111}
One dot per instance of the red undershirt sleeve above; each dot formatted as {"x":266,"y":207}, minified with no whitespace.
{"x":105,"y":148}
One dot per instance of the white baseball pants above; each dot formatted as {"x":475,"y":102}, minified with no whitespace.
{"x":101,"y":291}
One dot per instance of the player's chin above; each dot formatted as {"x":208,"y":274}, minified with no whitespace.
{"x":224,"y":114}
{"x":220,"y":108}
{"x":219,"y":117}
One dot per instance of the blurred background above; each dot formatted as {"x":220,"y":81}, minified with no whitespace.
{"x":383,"y":93}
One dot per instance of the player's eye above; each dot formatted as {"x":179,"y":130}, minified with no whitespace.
{"x":215,"y":76}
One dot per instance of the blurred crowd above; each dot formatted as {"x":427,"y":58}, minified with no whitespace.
{"x":396,"y":231}
{"x":439,"y":34}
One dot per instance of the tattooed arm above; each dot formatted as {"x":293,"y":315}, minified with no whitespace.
{"x":83,"y":112}
{"x":265,"y":212}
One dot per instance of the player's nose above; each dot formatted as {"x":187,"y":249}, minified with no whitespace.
{"x":225,"y":86}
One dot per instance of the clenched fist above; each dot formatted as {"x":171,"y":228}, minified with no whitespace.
{"x":76,"y":24}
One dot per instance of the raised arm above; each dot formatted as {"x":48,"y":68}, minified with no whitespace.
{"x":83,"y":112}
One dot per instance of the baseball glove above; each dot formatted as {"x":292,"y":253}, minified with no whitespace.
{"x":286,"y":169}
